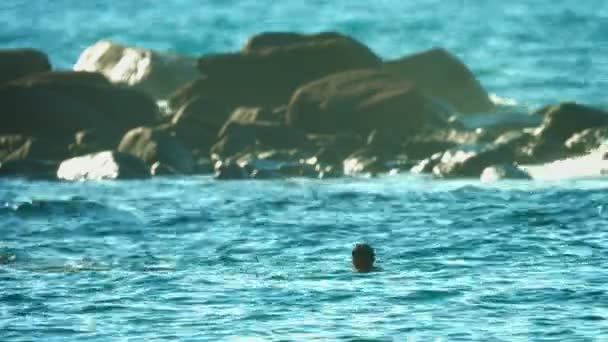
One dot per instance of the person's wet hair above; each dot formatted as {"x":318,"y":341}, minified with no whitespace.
{"x":363,"y":257}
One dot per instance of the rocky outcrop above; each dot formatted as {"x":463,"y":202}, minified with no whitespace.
{"x":502,"y":172}
{"x":155,"y":145}
{"x":197,"y":123}
{"x":587,"y":140}
{"x":238,"y":137}
{"x":442,"y":75}
{"x":361,"y":101}
{"x":17,"y":63}
{"x":563,"y":120}
{"x":58,"y":110}
{"x":266,"y":74}
{"x":103,"y":165}
{"x":30,"y":169}
{"x":158,"y":74}
{"x":39,"y":149}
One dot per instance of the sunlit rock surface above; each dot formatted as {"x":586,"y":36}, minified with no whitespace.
{"x":103,"y":165}
{"x":156,"y":73}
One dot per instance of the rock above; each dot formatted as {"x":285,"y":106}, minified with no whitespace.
{"x":160,"y":169}
{"x":17,"y":63}
{"x":87,"y":142}
{"x":158,"y":74}
{"x":268,"y":76}
{"x":587,"y":140}
{"x":256,"y":114}
{"x":230,"y":171}
{"x":365,"y":161}
{"x":58,"y":110}
{"x":383,"y":143}
{"x":563,"y":120}
{"x":470,"y":161}
{"x":427,"y":165}
{"x":10,"y":143}
{"x":361,"y":101}
{"x":154,"y":145}
{"x":103,"y":165}
{"x":69,"y":77}
{"x":198,"y":122}
{"x":238,"y":137}
{"x":442,"y":75}
{"x":29,"y":168}
{"x":39,"y":149}
{"x":505,"y":171}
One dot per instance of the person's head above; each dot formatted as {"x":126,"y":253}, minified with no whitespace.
{"x":363,"y":257}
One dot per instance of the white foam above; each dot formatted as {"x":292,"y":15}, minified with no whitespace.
{"x":591,"y":165}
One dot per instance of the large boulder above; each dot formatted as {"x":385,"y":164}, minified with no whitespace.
{"x":10,"y":143}
{"x":17,"y":63}
{"x":267,"y":76}
{"x":103,"y":165}
{"x":362,"y":101}
{"x":561,"y":121}
{"x":59,"y":109}
{"x":158,"y":74}
{"x":442,"y":75}
{"x":155,"y":145}
{"x":587,"y":140}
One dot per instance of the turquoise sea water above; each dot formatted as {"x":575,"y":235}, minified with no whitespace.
{"x":193,"y":259}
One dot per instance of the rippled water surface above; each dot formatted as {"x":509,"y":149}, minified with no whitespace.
{"x":198,"y":259}
{"x":195,"y":259}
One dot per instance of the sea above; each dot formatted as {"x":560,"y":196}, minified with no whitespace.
{"x":195,"y":259}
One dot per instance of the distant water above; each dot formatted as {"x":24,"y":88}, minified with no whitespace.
{"x":194,"y":259}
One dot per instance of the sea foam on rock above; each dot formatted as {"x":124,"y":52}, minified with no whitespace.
{"x":158,"y":74}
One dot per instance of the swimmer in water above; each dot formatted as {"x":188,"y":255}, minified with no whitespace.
{"x":363,"y":258}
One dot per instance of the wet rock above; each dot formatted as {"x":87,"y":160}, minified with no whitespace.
{"x":365,"y":161}
{"x":66,"y":77}
{"x":153,"y":145}
{"x":89,"y":141}
{"x":470,"y":161}
{"x":268,"y":76}
{"x":226,"y":170}
{"x":505,"y":171}
{"x":427,"y":165}
{"x":10,"y":143}
{"x":39,"y":149}
{"x":17,"y":63}
{"x":57,"y":110}
{"x":160,"y":169}
{"x":563,"y":120}
{"x":198,"y":122}
{"x":361,"y":101}
{"x":238,"y":137}
{"x":29,"y":168}
{"x":103,"y":165}
{"x":587,"y":140}
{"x":158,"y":74}
{"x":256,"y":114}
{"x":442,"y":75}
